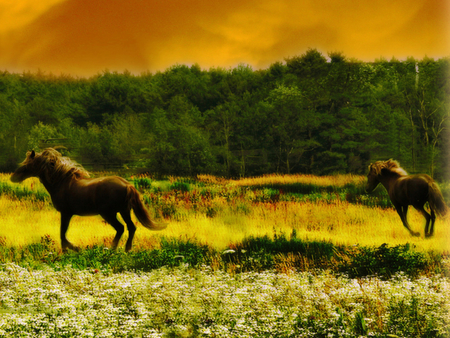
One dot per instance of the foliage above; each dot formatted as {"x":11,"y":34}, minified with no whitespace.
{"x":308,"y":114}
{"x":387,"y":261}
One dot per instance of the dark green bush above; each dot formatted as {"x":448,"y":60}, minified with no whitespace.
{"x":385,"y":261}
{"x":180,"y":186}
{"x":142,"y":183}
{"x":280,"y":244}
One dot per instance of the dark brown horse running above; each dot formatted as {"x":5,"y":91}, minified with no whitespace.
{"x":405,"y":190}
{"x":74,"y":193}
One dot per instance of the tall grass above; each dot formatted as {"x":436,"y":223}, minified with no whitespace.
{"x":287,"y":180}
{"x":31,"y":190}
{"x":219,"y":213}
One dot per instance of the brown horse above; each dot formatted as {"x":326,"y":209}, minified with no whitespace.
{"x":405,"y":190}
{"x":74,"y":193}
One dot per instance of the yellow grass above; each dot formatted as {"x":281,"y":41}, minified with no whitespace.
{"x":24,"y":222}
{"x":340,"y":223}
{"x":334,"y":180}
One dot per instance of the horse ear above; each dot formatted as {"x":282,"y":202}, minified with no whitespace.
{"x":33,"y":154}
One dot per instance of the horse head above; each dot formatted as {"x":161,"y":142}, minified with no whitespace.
{"x":380,"y":170}
{"x":36,"y":165}
{"x":28,"y":168}
{"x":372,"y":178}
{"x":50,"y":166}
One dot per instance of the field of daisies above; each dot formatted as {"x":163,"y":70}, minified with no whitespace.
{"x":186,"y":302}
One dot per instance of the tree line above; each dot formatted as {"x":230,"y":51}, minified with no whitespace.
{"x":306,"y":114}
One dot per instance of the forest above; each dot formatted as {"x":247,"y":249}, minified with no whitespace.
{"x":310,"y":113}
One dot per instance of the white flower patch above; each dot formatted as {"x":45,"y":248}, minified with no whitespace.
{"x":183,"y":301}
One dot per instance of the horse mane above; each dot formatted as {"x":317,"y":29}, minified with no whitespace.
{"x":391,"y":165}
{"x":54,"y":166}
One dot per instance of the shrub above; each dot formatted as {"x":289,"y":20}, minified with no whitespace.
{"x":142,"y":183}
{"x":180,"y":186}
{"x":385,"y":261}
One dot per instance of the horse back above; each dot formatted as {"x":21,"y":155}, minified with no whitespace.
{"x":92,"y":196}
{"x":411,"y":190}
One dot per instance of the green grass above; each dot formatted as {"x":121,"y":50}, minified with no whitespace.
{"x":252,"y":254}
{"x":23,"y":192}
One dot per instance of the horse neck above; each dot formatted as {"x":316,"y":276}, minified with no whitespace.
{"x":52,"y":186}
{"x":387,"y":181}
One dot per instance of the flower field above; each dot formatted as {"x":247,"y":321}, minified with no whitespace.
{"x":186,"y":302}
{"x":275,"y":256}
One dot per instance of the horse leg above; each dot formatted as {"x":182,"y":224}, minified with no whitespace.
{"x":433,"y":219}
{"x":112,"y":219}
{"x":131,"y":229}
{"x":65,"y":244}
{"x":403,"y":212}
{"x":428,"y":218}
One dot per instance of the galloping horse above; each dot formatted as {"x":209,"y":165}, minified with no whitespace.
{"x":73,"y":192}
{"x":405,"y":190}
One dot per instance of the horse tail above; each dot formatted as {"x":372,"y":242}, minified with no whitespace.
{"x":135,"y":203}
{"x":436,"y":200}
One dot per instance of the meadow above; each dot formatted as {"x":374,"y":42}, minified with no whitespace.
{"x":220,"y":213}
{"x":278,"y":255}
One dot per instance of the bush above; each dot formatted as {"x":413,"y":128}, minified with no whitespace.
{"x":385,"y":261}
{"x":180,"y":186}
{"x":142,"y":183}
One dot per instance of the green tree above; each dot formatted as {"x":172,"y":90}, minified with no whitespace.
{"x":221,"y":123}
{"x":40,"y":132}
{"x":293,"y":123}
{"x":178,"y":146}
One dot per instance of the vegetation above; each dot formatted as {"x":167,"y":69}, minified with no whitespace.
{"x":253,"y":254}
{"x":274,"y":222}
{"x":279,"y":255}
{"x":308,"y":114}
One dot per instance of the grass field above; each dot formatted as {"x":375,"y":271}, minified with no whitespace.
{"x":220,"y":213}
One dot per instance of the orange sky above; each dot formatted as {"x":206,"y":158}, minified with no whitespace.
{"x":85,"y":37}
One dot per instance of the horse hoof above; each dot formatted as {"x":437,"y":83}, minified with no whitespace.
{"x":72,"y":248}
{"x":416,"y":234}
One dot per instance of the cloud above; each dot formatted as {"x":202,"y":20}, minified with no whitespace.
{"x":15,"y":14}
{"x":84,"y":37}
